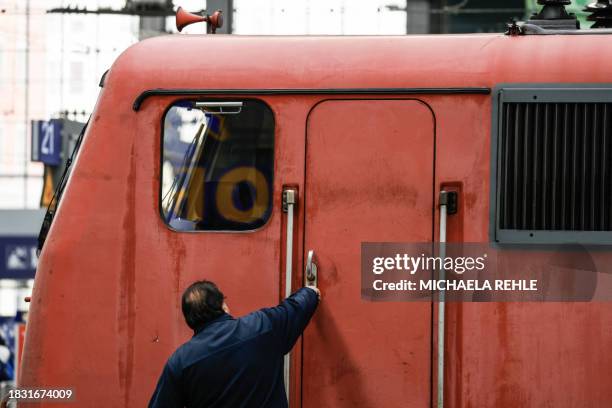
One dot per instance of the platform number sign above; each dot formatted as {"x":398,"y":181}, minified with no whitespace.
{"x":18,"y":259}
{"x":47,"y":141}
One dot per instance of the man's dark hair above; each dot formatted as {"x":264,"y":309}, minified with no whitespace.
{"x":202,"y":302}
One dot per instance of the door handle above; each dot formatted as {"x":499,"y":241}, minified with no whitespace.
{"x":289,"y":202}
{"x":448,"y":206}
{"x":311,"y":269}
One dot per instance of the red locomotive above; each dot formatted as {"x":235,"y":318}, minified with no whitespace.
{"x":203,"y":152}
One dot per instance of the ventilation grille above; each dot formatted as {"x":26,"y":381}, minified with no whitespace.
{"x":554,"y":167}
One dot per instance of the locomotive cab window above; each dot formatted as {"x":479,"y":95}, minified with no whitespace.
{"x":552,"y":165}
{"x":217,"y":165}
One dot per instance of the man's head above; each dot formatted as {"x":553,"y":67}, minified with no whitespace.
{"x":202,"y":302}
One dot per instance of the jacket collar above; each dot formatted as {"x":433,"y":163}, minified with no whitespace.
{"x":222,"y":318}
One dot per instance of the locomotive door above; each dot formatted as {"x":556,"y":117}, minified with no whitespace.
{"x":369,"y":177}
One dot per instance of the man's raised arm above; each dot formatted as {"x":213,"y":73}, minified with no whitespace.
{"x":291,"y":317}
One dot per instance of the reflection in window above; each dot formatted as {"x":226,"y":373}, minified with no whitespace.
{"x":217,"y":166}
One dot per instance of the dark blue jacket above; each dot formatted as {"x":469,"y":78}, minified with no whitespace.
{"x":236,"y":362}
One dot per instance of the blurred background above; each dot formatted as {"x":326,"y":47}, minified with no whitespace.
{"x":54,"y":52}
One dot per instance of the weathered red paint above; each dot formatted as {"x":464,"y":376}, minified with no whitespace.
{"x":380,"y":192}
{"x":105,"y":310}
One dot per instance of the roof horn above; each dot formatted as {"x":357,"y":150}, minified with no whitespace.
{"x":184,"y":18}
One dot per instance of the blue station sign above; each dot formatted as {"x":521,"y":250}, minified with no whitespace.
{"x":18,"y":258}
{"x":47,"y":141}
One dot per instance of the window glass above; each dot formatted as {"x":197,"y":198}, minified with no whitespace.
{"x":217,"y":166}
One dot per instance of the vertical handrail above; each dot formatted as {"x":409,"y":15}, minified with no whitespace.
{"x":441,"y":298}
{"x":289,"y":200}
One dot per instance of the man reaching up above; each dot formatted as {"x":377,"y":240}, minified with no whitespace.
{"x":232,"y":362}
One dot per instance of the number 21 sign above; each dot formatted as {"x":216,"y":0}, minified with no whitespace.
{"x":47,"y":141}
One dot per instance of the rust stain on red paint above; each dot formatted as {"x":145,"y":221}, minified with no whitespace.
{"x":127,"y":286}
{"x":457,"y":353}
{"x":508,"y":387}
{"x":176,"y":247}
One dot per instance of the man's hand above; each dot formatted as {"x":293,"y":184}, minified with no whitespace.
{"x":316,"y":290}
